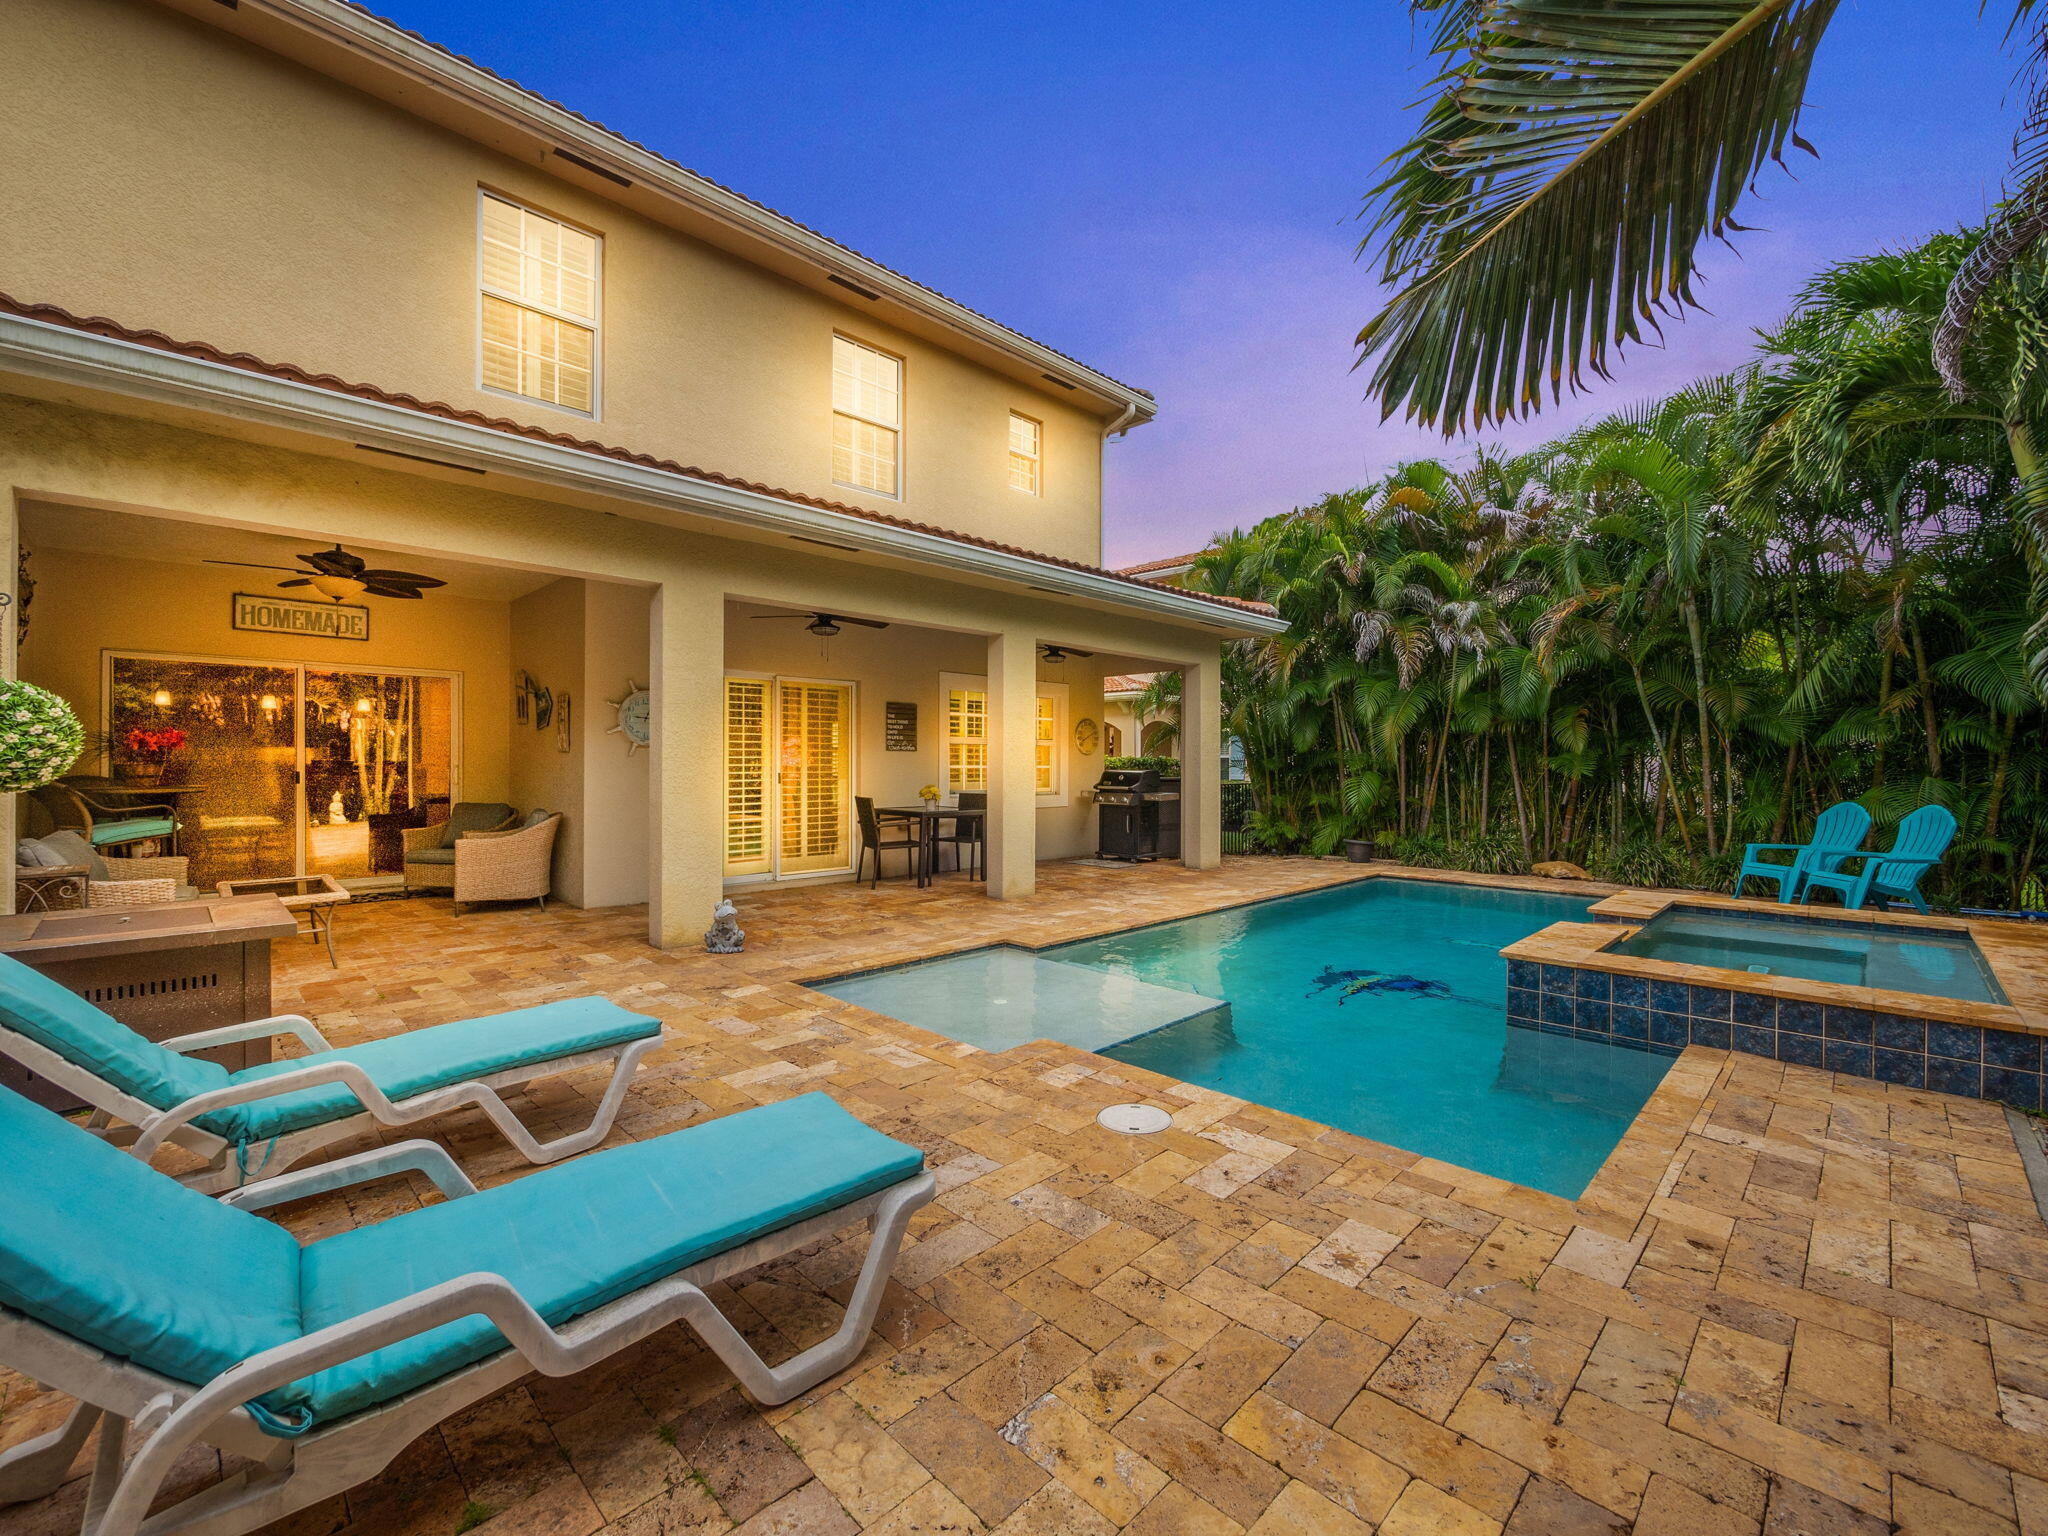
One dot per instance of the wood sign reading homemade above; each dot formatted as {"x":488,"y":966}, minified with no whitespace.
{"x":296,"y":616}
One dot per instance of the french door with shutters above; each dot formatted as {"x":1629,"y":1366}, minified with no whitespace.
{"x":788,"y":776}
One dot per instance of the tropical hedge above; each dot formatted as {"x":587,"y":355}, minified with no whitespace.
{"x":1688,"y":626}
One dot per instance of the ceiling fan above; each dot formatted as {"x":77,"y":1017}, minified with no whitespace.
{"x":1059,"y":653}
{"x":337,"y":574}
{"x":823,"y":625}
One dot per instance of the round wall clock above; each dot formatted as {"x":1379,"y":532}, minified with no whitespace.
{"x":636,"y":718}
{"x":1084,"y":736}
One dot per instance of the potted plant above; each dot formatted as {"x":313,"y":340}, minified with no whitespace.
{"x":149,"y":749}
{"x":1361,"y":850}
{"x":40,"y":737}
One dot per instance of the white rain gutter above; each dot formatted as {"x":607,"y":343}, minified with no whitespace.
{"x":63,"y":355}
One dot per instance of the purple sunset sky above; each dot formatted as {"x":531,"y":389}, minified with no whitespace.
{"x":1168,"y":192}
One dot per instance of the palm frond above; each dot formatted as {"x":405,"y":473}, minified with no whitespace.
{"x":1553,"y":201}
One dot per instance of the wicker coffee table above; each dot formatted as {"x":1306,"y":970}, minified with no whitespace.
{"x":314,"y":896}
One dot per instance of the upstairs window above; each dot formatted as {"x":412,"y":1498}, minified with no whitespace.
{"x":539,"y":278}
{"x":1025,"y":437}
{"x":867,"y":417}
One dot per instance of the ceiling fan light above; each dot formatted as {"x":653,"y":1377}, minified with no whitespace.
{"x":824,"y":629}
{"x":339,"y":588}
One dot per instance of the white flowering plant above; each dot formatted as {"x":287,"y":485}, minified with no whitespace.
{"x":40,"y":736}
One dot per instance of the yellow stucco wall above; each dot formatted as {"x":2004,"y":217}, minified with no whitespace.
{"x":52,"y":452}
{"x":87,"y":604}
{"x":167,"y":175}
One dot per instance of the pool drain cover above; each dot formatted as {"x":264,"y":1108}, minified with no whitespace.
{"x":1134,"y":1119}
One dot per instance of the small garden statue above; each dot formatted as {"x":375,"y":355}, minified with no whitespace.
{"x":724,"y":936}
{"x":40,"y":737}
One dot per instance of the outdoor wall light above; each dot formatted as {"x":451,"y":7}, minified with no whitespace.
{"x":362,"y":706}
{"x":268,"y":704}
{"x":161,"y":698}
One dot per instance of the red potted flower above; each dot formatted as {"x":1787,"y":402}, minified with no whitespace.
{"x":148,"y":750}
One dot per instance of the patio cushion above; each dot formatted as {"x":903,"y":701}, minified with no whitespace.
{"x":442,"y":855}
{"x":132,"y":830}
{"x":71,"y":848}
{"x":108,"y":1250}
{"x":579,"y":1234}
{"x":475,"y":816}
{"x":58,"y":1019}
{"x":424,"y":1059}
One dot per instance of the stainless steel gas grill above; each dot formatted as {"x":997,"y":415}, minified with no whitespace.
{"x":1127,"y":814}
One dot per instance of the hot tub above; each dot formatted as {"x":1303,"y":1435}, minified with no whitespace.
{"x":1933,"y":962}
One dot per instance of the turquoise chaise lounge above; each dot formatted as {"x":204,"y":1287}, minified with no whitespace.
{"x":263,"y":1119}
{"x":1922,"y":839}
{"x":1837,"y":831}
{"x":180,"y":1319}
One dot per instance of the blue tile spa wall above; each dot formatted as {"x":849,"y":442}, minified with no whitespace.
{"x":1667,"y":1016}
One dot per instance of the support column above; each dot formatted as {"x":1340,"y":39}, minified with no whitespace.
{"x":1012,"y":769}
{"x":1201,"y":757}
{"x":686,"y":863}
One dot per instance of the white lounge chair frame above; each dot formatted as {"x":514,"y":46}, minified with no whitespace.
{"x":145,"y":1128}
{"x":169,"y":1416}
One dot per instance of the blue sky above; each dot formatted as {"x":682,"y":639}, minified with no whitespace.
{"x":1168,"y":192}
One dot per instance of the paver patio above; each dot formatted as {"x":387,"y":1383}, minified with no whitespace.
{"x":1791,"y":1302}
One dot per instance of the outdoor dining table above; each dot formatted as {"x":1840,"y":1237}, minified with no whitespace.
{"x":928,"y":818}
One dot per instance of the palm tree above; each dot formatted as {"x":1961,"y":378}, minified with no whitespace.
{"x":1578,"y":153}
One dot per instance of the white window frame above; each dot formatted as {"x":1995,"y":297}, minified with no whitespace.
{"x":897,"y":428}
{"x":1060,"y":794}
{"x":595,"y":324}
{"x":1037,"y":459}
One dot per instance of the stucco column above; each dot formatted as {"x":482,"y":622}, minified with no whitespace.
{"x":686,"y":863}
{"x":1201,"y":755}
{"x":1012,"y":776}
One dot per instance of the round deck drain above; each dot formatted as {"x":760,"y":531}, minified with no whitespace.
{"x":1134,"y":1119}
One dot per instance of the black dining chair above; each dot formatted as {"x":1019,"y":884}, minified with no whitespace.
{"x":969,"y":836}
{"x":873,"y":842}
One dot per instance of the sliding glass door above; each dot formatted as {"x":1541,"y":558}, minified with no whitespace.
{"x":788,"y":777}
{"x":378,"y":760}
{"x":280,"y":769}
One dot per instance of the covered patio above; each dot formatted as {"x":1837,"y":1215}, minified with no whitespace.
{"x":315,"y":737}
{"x":1791,"y":1303}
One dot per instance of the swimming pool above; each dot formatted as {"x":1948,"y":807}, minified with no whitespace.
{"x":1937,"y":962}
{"x":1378,"y":1008}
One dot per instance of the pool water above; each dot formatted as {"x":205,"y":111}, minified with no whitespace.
{"x":1933,"y":961}
{"x":1378,"y":1008}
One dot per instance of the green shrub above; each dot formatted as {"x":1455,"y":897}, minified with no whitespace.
{"x":1166,"y":767}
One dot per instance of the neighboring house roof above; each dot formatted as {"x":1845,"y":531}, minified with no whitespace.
{"x":362,"y":31}
{"x":98,"y":325}
{"x":1170,"y":563}
{"x":1123,"y":683}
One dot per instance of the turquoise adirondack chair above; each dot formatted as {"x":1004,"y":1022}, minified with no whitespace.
{"x":1923,"y":838}
{"x":1837,"y":833}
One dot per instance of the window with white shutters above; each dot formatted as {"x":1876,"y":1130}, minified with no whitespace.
{"x":539,"y":279}
{"x":747,"y":850}
{"x":967,"y":737}
{"x":1026,"y":440}
{"x":867,"y":417}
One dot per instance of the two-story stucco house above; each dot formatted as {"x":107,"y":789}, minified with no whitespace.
{"x":281,"y":277}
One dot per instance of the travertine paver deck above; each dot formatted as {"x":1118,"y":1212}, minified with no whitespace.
{"x":1791,"y":1303}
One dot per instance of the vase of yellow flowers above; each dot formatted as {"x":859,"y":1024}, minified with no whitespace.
{"x":929,"y":794}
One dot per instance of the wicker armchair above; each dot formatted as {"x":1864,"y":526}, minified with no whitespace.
{"x":514,"y":865}
{"x":105,"y":882}
{"x":430,"y":851}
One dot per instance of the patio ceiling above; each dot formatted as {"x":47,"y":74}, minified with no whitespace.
{"x":137,"y":536}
